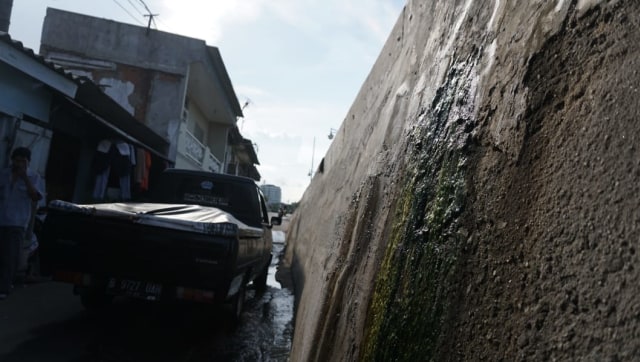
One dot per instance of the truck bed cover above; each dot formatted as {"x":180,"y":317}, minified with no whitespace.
{"x":193,"y":218}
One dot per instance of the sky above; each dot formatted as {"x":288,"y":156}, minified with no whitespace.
{"x":298,"y":63}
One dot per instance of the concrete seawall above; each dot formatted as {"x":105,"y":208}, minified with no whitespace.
{"x":480,"y":198}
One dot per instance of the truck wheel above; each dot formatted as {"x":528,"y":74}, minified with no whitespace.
{"x":260,"y":282}
{"x":237,"y":305}
{"x":93,"y":299}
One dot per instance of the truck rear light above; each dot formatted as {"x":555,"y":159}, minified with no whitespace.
{"x":73,"y":278}
{"x":195,"y":295}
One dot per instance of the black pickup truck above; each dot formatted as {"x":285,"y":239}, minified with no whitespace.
{"x":201,"y":237}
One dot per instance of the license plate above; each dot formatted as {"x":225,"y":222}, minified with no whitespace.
{"x":134,"y":288}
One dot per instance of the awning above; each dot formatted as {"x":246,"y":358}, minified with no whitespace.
{"x":160,"y":152}
{"x":86,"y":95}
{"x":111,"y":114}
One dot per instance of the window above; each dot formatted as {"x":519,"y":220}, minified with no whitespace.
{"x":238,"y":199}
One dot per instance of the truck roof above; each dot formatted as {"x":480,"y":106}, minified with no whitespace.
{"x":223,"y":176}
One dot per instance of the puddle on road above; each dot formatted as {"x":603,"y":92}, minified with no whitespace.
{"x":280,"y":306}
{"x":266,"y":330}
{"x":278,"y":247}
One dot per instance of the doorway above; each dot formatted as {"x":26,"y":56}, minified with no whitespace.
{"x":62,"y":168}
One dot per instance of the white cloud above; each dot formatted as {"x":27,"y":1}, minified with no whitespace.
{"x":300,"y":62}
{"x":206,"y":19}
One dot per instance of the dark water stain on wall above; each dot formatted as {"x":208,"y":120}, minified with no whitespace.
{"x":411,"y":297}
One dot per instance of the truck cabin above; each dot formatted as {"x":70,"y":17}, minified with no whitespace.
{"x":239,"y":196}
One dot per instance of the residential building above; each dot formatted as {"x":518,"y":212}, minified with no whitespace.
{"x":176,"y":85}
{"x":62,"y":119}
{"x":241,"y":156}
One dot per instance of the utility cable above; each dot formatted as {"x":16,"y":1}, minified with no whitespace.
{"x":127,"y":11}
{"x":136,"y":8}
{"x":150,"y":15}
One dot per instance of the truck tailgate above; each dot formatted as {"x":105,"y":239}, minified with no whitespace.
{"x":118,"y":247}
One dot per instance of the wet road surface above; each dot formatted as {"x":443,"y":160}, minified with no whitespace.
{"x":45,"y":322}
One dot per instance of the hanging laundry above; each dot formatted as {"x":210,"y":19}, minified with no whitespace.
{"x":142,"y":169}
{"x":113,"y":156}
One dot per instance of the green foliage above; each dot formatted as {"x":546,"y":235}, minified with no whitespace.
{"x":289,"y":208}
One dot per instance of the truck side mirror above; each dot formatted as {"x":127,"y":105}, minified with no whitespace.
{"x":276,"y":220}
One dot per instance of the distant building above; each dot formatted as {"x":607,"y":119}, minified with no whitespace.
{"x":273,"y":194}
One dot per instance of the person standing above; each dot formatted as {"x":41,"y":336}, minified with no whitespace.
{"x":18,"y":191}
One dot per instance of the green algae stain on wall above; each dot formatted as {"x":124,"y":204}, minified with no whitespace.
{"x":416,"y":277}
{"x":411,"y":290}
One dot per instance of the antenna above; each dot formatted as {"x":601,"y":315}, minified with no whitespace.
{"x":150,"y":16}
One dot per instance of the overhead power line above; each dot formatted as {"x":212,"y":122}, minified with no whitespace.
{"x":133,"y":5}
{"x":145,"y":6}
{"x":127,"y":11}
{"x":150,"y":15}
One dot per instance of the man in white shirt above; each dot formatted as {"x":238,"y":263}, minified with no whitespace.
{"x":17,"y":194}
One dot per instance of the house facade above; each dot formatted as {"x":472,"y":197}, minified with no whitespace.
{"x":62,"y":119}
{"x":175,"y":85}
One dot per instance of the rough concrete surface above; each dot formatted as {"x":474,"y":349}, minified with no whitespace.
{"x":480,"y":200}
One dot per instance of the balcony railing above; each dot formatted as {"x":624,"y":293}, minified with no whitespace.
{"x":213,"y":164}
{"x":196,"y":152}
{"x":193,"y":148}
